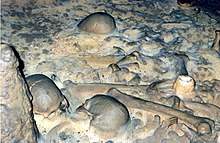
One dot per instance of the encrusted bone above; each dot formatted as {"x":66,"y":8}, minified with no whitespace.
{"x":196,"y":108}
{"x":132,"y":57}
{"x":201,"y":125}
{"x":108,"y":115}
{"x":204,"y":109}
{"x":85,"y":91}
{"x":183,"y":85}
{"x":99,"y":62}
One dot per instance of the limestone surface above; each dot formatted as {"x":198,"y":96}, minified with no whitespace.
{"x":17,"y":123}
{"x":156,"y":42}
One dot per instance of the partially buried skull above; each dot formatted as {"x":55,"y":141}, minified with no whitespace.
{"x":109,"y":116}
{"x":47,"y":98}
{"x":98,"y":23}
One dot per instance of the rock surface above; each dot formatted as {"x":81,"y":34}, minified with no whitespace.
{"x":154,"y":41}
{"x":17,"y":123}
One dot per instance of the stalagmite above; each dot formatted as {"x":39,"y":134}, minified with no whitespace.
{"x":17,"y":122}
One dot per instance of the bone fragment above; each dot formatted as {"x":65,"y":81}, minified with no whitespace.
{"x":114,"y":67}
{"x":186,"y":3}
{"x":183,"y":85}
{"x":132,"y":57}
{"x":100,"y":62}
{"x":200,"y":124}
{"x":204,"y":109}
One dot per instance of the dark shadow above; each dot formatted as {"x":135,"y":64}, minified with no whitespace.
{"x":211,"y":7}
{"x":20,"y":61}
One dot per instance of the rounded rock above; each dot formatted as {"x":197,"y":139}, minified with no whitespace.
{"x":98,"y":23}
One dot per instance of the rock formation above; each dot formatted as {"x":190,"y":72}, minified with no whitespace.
{"x":17,"y":123}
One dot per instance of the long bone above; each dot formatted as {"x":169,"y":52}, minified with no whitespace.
{"x":85,"y":91}
{"x":200,"y":124}
{"x":100,"y":62}
{"x":104,"y":62}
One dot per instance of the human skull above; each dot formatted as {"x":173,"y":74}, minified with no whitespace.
{"x":108,"y":114}
{"x":47,"y":98}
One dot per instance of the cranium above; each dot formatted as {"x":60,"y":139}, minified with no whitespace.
{"x":47,"y":98}
{"x":98,"y":23}
{"x":109,"y":116}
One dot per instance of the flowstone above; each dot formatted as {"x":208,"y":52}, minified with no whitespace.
{"x":17,"y":122}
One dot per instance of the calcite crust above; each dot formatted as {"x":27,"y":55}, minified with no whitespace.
{"x":17,"y":123}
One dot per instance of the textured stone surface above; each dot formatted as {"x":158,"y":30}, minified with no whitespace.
{"x":24,"y":3}
{"x":143,"y":51}
{"x":17,"y":123}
